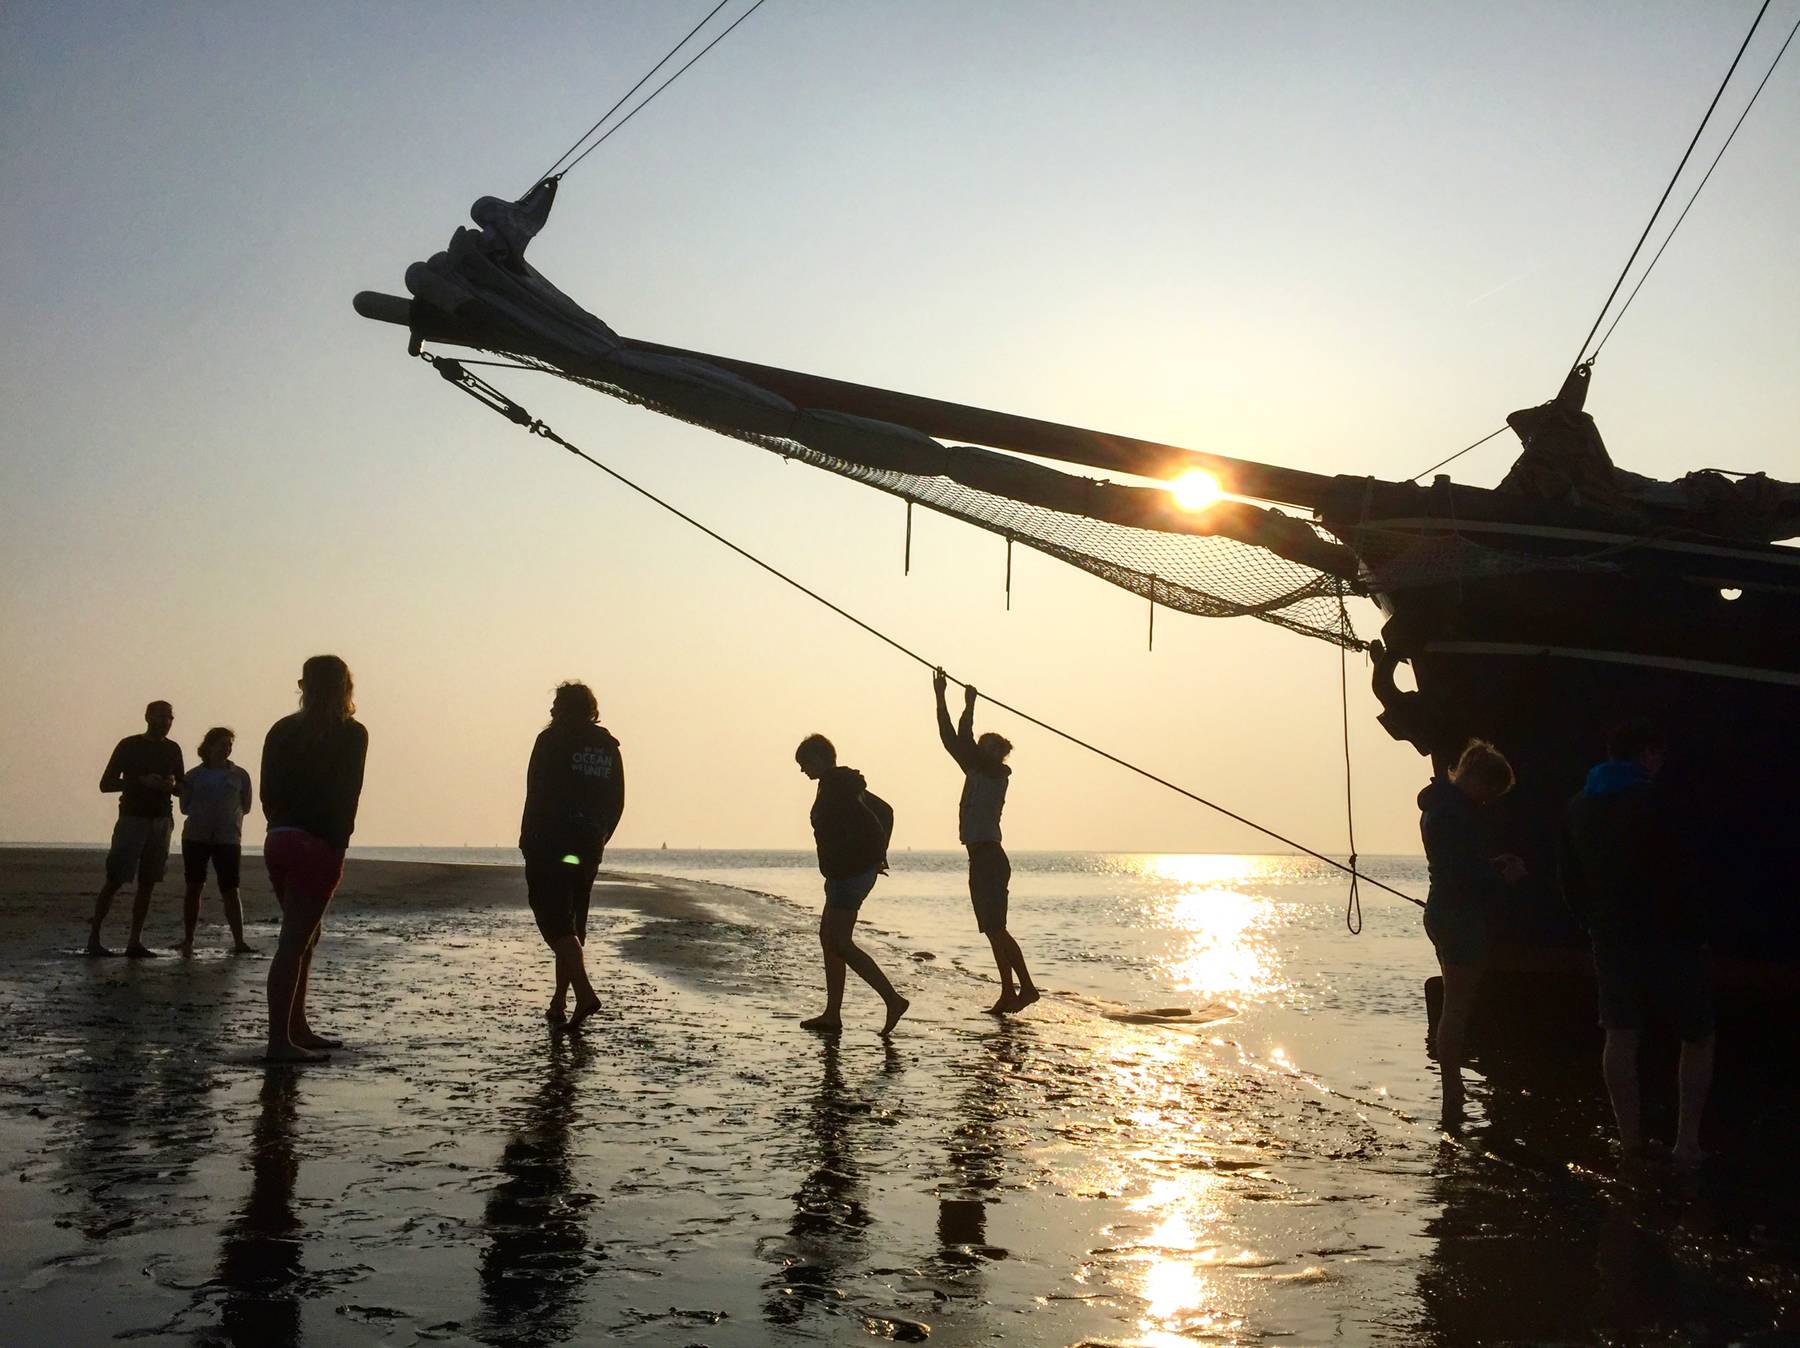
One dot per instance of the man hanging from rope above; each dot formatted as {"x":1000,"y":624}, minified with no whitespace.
{"x":985,"y":776}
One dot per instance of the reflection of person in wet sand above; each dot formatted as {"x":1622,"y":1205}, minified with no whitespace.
{"x":312,"y":775}
{"x":259,"y":1258}
{"x":830,"y":1207}
{"x":978,"y":1148}
{"x":535,"y":1262}
{"x":574,"y":796}
{"x":985,"y":777}
{"x":145,"y":771}
{"x":214,"y":797}
{"x":851,"y":828}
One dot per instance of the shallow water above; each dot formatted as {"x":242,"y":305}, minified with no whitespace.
{"x":697,"y":1170}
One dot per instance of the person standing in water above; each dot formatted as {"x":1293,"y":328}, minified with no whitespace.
{"x":985,"y":777}
{"x":1465,"y":886}
{"x":145,"y":770}
{"x":214,"y":797}
{"x":312,"y":776}
{"x":1624,"y":873}
{"x":851,"y":829}
{"x":574,"y":797}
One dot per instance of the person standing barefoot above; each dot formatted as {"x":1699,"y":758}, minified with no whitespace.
{"x":145,"y":771}
{"x":312,"y":775}
{"x":214,"y":797}
{"x":985,"y":778}
{"x":574,"y":798}
{"x":852,"y":836}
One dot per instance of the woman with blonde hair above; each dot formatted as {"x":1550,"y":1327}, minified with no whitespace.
{"x":1464,"y":889}
{"x":312,"y":775}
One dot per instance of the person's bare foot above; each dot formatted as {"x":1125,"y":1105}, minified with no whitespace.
{"x":824,"y":1024}
{"x":1687,"y":1156}
{"x":294,"y":1053}
{"x":185,"y":948}
{"x":245,"y":948}
{"x":895,"y":1009}
{"x":139,"y":951}
{"x":581,"y":1012}
{"x":1025,"y":997}
{"x":95,"y":948}
{"x":1003,"y":1003}
{"x":312,"y":1039}
{"x":557,"y":1013}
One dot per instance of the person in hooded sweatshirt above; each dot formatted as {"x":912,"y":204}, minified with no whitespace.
{"x":1465,"y":885}
{"x":852,"y":837}
{"x":574,"y":797}
{"x":1626,"y":878}
{"x":985,"y":778}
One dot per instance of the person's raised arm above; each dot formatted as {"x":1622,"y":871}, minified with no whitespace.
{"x":946,"y":731}
{"x":959,"y":742}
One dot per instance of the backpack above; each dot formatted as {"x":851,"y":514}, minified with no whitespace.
{"x":883,"y":816}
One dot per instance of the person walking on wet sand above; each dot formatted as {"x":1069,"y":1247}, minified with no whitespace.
{"x":851,"y":828}
{"x":985,"y":778}
{"x":1465,"y":885}
{"x":1623,"y":873}
{"x":312,"y":776}
{"x":574,"y":797}
{"x":214,"y":797}
{"x":145,"y":770}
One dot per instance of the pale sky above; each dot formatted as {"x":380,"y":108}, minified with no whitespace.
{"x":1341,"y":237}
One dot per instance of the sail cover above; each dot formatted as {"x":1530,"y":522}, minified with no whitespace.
{"x":1229,"y":560}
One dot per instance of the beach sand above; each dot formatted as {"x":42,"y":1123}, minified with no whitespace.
{"x":696,"y":1169}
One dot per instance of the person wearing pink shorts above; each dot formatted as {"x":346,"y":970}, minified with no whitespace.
{"x":312,"y":774}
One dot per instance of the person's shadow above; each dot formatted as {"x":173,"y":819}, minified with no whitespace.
{"x":831,"y":1214}
{"x":538,"y":1258}
{"x":260,"y":1254}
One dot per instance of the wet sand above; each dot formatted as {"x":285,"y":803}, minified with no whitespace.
{"x":696,"y":1169}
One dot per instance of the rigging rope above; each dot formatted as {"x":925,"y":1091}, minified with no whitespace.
{"x":489,"y":396}
{"x":1352,"y":904}
{"x":619,"y":125}
{"x":1454,"y":457}
{"x":1581,"y":356}
{"x":1703,"y":181}
{"x":632,"y":90}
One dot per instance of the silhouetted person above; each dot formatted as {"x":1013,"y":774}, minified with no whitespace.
{"x":574,"y":796}
{"x":985,"y":778}
{"x":852,"y":837}
{"x":1465,"y":888}
{"x":214,"y":797}
{"x":312,"y":775}
{"x":1624,"y":877}
{"x":146,"y":771}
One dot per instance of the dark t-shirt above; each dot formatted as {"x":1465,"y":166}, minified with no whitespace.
{"x":849,"y":837}
{"x":574,"y":792}
{"x":312,"y":776}
{"x":135,"y":756}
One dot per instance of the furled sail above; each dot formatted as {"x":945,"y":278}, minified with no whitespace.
{"x":1230,"y":559}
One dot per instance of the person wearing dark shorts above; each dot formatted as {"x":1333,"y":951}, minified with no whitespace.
{"x":985,"y":778}
{"x":312,"y":777}
{"x":214,"y":797}
{"x":1465,"y":886}
{"x":145,"y":771}
{"x":851,"y":827}
{"x":574,"y":799}
{"x":1627,"y":880}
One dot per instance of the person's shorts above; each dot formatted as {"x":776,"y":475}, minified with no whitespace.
{"x":226,"y":858}
{"x":1665,"y":981}
{"x":1458,"y":936}
{"x":558,"y":889}
{"x":990,"y":873}
{"x":848,"y":893}
{"x":303,"y":865}
{"x":140,"y":849}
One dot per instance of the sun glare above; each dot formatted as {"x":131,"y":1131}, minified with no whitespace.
{"x":1195,"y":489}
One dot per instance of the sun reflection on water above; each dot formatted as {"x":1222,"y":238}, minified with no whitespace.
{"x":1220,"y":946}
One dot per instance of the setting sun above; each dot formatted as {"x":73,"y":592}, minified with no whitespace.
{"x":1194,"y":489}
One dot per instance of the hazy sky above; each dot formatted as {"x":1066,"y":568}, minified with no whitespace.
{"x":1343,"y":237}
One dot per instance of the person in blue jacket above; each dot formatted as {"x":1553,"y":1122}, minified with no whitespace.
{"x":1465,"y":888}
